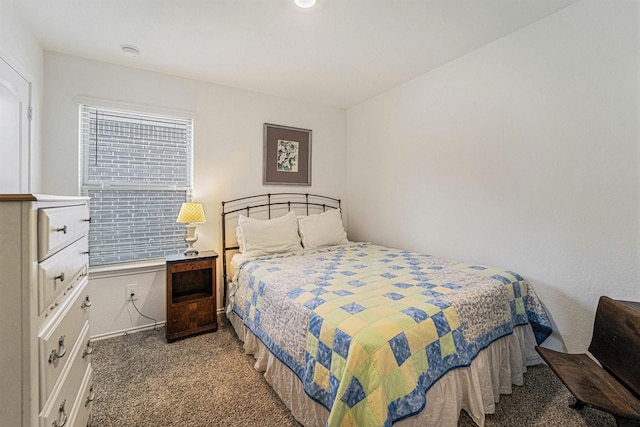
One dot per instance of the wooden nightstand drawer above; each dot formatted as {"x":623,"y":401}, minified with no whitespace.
{"x":191,"y":317}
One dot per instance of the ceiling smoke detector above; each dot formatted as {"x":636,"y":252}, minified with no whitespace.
{"x":130,"y":51}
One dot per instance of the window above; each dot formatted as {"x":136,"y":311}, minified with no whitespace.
{"x":137,"y":169}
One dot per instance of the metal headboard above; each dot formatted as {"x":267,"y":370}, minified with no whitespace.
{"x":264,"y":203}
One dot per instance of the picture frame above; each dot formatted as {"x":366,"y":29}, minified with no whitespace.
{"x":287,"y":155}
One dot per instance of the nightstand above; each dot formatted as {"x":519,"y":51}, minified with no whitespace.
{"x":191,"y":294}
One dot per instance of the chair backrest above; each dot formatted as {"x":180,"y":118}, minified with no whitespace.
{"x":616,"y":340}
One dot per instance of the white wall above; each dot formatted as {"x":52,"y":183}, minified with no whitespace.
{"x":227,"y":152}
{"x":22,"y":51}
{"x":522,"y":154}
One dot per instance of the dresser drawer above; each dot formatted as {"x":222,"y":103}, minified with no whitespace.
{"x":66,"y":394}
{"x":57,"y":227}
{"x":81,"y":416}
{"x":64,"y":336}
{"x":60,"y":273}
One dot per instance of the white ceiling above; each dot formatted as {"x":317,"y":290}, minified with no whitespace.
{"x":338,"y":53}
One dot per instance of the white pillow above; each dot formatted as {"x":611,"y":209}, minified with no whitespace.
{"x":258,"y":237}
{"x":323,"y":229}
{"x":240,"y":238}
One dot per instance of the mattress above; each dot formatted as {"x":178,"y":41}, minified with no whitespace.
{"x":364,"y":334}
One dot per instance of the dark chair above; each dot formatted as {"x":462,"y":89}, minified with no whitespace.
{"x":613,"y":387}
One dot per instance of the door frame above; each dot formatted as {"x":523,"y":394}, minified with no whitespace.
{"x":26,"y":146}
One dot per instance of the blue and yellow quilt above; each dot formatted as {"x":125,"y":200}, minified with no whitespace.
{"x":369,"y":329}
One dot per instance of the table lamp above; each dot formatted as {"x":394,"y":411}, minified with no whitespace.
{"x":190,"y":214}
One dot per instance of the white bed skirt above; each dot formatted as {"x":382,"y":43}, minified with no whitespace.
{"x":476,"y":388}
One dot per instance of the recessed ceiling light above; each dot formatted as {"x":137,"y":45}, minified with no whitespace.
{"x":304,"y":3}
{"x":130,"y":51}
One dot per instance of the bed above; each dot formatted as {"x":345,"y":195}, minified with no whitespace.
{"x":354,"y":333}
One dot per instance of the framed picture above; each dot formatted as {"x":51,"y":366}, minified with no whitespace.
{"x":287,"y":155}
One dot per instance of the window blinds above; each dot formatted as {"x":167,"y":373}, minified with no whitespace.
{"x":137,"y":169}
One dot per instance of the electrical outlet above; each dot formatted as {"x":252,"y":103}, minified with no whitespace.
{"x":132,"y":291}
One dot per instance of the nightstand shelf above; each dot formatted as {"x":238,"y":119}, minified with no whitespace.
{"x":190,"y":297}
{"x":191,"y":294}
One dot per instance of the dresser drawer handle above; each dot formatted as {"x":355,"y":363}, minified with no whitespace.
{"x":87,"y":351}
{"x":91,"y":397}
{"x":62,"y":417}
{"x":63,"y":229}
{"x":59,"y":277}
{"x":86,"y":303}
{"x":60,"y":352}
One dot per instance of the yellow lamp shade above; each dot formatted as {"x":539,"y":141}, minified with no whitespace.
{"x":191,"y":212}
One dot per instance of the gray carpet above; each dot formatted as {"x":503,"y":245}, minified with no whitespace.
{"x":207,"y":380}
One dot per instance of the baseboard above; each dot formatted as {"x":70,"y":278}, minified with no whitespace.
{"x":220,"y":312}
{"x":127,"y":331}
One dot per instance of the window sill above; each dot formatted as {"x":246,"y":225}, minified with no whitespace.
{"x":124,"y":269}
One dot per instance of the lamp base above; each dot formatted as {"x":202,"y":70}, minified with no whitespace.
{"x":191,"y":237}
{"x":191,"y":251}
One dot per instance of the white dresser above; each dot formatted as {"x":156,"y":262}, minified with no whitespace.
{"x":45,"y":354}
